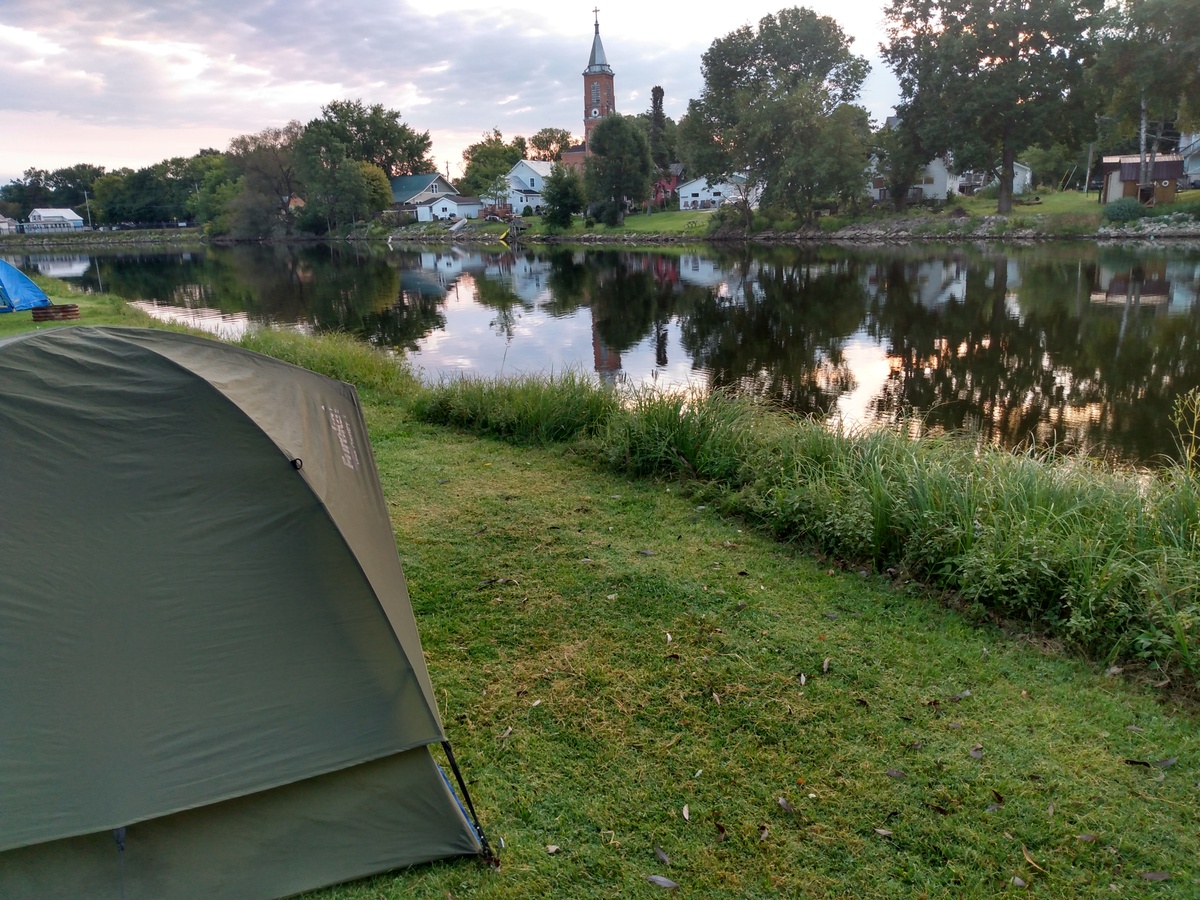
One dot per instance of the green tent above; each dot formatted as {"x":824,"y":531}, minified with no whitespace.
{"x":213,"y":684}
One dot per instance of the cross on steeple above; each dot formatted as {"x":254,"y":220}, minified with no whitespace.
{"x":596,"y":10}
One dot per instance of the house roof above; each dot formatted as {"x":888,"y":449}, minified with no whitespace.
{"x":1166,"y":166}
{"x":405,"y":187}
{"x":55,"y":214}
{"x":456,"y":199}
{"x":541,"y":167}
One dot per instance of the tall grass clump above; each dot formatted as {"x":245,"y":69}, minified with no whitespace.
{"x":1107,"y":561}
{"x":532,"y":409}
{"x":339,"y":356}
{"x":707,"y":436}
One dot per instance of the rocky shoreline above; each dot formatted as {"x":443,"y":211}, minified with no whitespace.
{"x":922,"y":229}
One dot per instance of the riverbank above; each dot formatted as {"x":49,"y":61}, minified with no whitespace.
{"x":638,"y":681}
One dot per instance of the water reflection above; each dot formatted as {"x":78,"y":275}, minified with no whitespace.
{"x":1081,"y":346}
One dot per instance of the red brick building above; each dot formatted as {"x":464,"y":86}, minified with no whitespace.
{"x":599,"y":98}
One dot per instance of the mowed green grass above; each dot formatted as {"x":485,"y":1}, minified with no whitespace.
{"x":622,"y":669}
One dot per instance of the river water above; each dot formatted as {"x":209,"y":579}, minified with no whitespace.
{"x":1078,"y":346}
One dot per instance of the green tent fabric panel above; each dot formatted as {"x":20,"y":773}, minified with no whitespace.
{"x":180,"y":621}
{"x":372,"y":818}
{"x":319,"y":421}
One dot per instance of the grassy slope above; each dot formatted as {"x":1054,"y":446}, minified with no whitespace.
{"x":593,"y":690}
{"x":607,"y":654}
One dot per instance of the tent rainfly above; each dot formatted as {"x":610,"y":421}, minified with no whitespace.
{"x":213,"y":681}
{"x":17,"y":292}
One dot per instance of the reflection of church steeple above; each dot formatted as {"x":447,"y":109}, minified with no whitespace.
{"x":607,"y":360}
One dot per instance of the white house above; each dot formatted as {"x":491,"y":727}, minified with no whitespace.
{"x":8,"y":226}
{"x":412,"y":189}
{"x":450,"y":206}
{"x":46,"y":220}
{"x":936,"y":182}
{"x":700,"y":194}
{"x":526,"y":180}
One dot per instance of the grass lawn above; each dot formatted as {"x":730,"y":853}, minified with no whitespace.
{"x":637,"y":685}
{"x":621,"y":670}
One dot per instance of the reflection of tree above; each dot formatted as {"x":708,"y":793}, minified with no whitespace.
{"x":496,"y":294}
{"x":1067,"y":371}
{"x":781,"y":335}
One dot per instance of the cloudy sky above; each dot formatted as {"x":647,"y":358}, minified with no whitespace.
{"x":130,"y":82}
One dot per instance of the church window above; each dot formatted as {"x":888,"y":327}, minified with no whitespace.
{"x":595,"y":93}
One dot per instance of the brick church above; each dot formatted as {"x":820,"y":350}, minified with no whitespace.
{"x":599,"y":98}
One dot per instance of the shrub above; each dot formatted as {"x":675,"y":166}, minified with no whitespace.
{"x":527,"y":211}
{"x":1126,"y":209}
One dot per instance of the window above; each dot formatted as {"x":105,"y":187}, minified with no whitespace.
{"x":595,"y":93}
{"x":716,"y":193}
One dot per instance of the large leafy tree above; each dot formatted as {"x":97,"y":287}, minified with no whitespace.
{"x":768,"y":91}
{"x":618,"y":169}
{"x":488,"y":159}
{"x":562,"y":196}
{"x":374,"y":134}
{"x":985,"y":79}
{"x":265,"y":164}
{"x":1149,"y":69}
{"x":548,"y":144}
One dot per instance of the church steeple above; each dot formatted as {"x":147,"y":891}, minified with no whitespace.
{"x":598,"y":62}
{"x":599,"y":98}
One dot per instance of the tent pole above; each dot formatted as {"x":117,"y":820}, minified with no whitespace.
{"x":488,"y":856}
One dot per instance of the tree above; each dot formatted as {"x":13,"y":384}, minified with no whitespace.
{"x":265,"y":165}
{"x":374,"y":135}
{"x":618,"y":169}
{"x":562,"y":196}
{"x":484,"y":160}
{"x":985,"y":79}
{"x":548,"y":144}
{"x":899,"y":160}
{"x":1148,"y":68}
{"x":767,"y":92}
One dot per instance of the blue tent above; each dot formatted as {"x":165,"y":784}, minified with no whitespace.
{"x":17,"y":291}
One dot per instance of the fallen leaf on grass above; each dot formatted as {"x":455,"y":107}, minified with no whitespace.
{"x":1137,"y":762}
{"x":895,"y":773}
{"x":1029,"y":859}
{"x":552,"y":849}
{"x":785,"y":806}
{"x":977,"y":751}
{"x":963,"y":696}
{"x":883,"y":832}
{"x":832,"y":615}
{"x":954,"y":725}
{"x":861,"y":702}
{"x":662,"y":882}
{"x":1167,"y":763}
{"x":1154,"y":876}
{"x":999,"y":797}
{"x":762,"y":835}
{"x":1086,"y":838}
{"x":716,"y":698}
{"x":662,"y":854}
{"x":941,"y":810}
{"x":687,"y":813}
{"x":825,"y":666}
{"x":1018,"y":881}
{"x":645,"y":553}
{"x":1135,"y":728}
{"x":507,"y":732}
{"x":992,"y":807}
{"x":803,"y":679}
{"x":720,"y":831}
